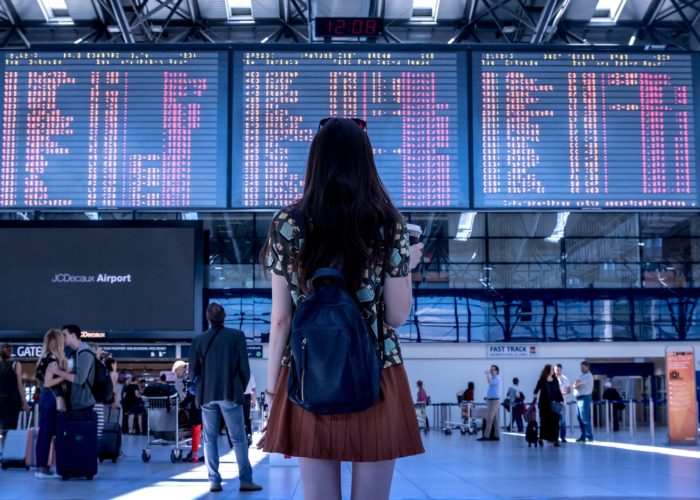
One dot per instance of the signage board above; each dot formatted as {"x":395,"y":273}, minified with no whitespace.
{"x":511,"y":351}
{"x":682,"y":405}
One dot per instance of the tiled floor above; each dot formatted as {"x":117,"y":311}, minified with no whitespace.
{"x":453,"y":467}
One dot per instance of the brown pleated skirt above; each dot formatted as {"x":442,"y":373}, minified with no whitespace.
{"x":385,"y":431}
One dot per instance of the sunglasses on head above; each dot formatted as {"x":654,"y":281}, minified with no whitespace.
{"x":360,"y":123}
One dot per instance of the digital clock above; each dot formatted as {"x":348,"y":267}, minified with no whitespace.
{"x":349,"y":26}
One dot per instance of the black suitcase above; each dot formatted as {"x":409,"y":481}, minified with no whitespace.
{"x":531,"y":434}
{"x":110,"y":442}
{"x":76,"y":444}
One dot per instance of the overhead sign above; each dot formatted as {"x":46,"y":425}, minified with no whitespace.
{"x":511,"y":351}
{"x":682,"y":406}
{"x":255,"y":351}
{"x":143,"y":351}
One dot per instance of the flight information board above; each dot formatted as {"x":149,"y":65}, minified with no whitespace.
{"x":414,"y":103}
{"x":584,"y":130}
{"x":112,"y":129}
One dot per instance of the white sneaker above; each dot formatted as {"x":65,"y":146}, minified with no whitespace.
{"x":42,"y":475}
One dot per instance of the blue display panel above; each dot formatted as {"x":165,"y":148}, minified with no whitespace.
{"x":584,"y":130}
{"x":414,"y":102}
{"x":113,"y":128}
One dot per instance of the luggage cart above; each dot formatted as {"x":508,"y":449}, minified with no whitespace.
{"x":442,"y":415}
{"x":422,"y":417}
{"x":163,"y":419}
{"x":467,"y":424}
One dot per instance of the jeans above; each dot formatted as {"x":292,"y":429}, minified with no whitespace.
{"x":48,"y":420}
{"x":562,"y":421}
{"x":583,"y":407}
{"x":516,"y":411}
{"x":233,"y":416}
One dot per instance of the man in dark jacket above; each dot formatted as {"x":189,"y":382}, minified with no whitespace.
{"x":219,"y":357}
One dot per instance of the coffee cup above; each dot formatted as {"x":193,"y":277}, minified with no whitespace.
{"x":414,"y":233}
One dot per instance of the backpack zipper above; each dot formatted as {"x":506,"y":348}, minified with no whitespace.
{"x":303,"y":366}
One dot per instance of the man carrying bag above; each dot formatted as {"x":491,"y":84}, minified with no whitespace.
{"x":219,"y":361}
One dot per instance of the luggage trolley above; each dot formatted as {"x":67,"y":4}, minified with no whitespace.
{"x":163,"y":426}
{"x":467,"y":424}
{"x":442,"y":415}
{"x":422,"y":417}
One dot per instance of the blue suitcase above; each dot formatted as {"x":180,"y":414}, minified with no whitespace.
{"x":76,"y":444}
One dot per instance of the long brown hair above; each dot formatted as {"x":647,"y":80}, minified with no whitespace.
{"x":54,"y":344}
{"x":348,"y":218}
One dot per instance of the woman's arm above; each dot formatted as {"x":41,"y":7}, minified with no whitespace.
{"x":20,"y":386}
{"x":280,"y":327}
{"x":51,"y":379}
{"x":398,"y":291}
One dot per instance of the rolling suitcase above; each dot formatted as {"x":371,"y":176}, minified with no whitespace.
{"x":14,"y":453}
{"x":110,"y":441}
{"x":76,"y":444}
{"x":30,"y":448}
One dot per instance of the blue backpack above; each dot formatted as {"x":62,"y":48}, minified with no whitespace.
{"x":336,"y":367}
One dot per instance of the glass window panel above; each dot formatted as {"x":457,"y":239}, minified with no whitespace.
{"x":602,"y":225}
{"x":525,"y":276}
{"x":606,"y":275}
{"x":528,"y":225}
{"x":250,"y":314}
{"x":466,"y":275}
{"x":523,"y":250}
{"x":662,"y":224}
{"x":465,"y":252}
{"x":602,"y":250}
{"x":435,"y":318}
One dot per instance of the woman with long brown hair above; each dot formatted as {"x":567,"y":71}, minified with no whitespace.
{"x":346,"y":220}
{"x":52,"y":398}
{"x":550,"y":404}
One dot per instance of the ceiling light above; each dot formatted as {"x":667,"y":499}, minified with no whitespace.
{"x":608,"y":10}
{"x":424,"y":10}
{"x":55,"y":11}
{"x":240,"y":9}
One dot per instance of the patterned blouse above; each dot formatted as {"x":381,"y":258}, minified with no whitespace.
{"x":285,"y":242}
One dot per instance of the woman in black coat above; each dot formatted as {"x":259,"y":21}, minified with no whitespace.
{"x":548,"y":389}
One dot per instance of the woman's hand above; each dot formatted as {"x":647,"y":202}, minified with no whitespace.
{"x":415,"y":253}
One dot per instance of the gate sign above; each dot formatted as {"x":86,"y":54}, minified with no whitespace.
{"x":682,"y":407}
{"x":511,"y":351}
{"x":26,"y":350}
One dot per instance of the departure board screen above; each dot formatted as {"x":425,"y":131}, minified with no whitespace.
{"x":111,"y":129}
{"x":584,"y":130}
{"x":415,"y":105}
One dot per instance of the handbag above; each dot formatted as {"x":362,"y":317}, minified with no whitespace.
{"x":192,"y":389}
{"x":556,"y":407}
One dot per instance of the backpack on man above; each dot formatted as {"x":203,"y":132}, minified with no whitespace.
{"x":101,"y":387}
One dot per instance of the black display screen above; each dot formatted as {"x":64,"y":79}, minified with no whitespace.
{"x":138,"y":280}
{"x":113,"y":128}
{"x":414,"y":102}
{"x":585,"y":130}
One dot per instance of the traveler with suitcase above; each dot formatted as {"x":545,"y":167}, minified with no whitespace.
{"x":76,"y":436}
{"x":51,"y":400}
{"x":12,"y":398}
